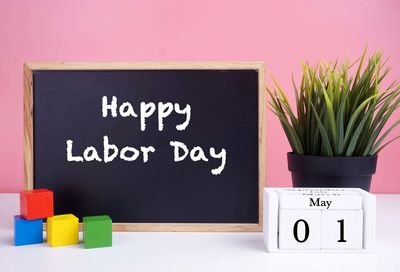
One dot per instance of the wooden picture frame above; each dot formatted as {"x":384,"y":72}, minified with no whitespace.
{"x":30,"y":68}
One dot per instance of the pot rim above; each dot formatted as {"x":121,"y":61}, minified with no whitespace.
{"x":292,"y":154}
{"x":332,"y":166}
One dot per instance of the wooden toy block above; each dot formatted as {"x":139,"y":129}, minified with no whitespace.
{"x":27,"y":232}
{"x":62,"y":230}
{"x":342,"y":229}
{"x":97,"y":231}
{"x":36,"y":204}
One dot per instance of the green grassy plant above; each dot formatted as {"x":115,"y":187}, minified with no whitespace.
{"x":339,"y":114}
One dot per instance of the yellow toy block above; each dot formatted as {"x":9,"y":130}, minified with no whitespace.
{"x":62,"y":230}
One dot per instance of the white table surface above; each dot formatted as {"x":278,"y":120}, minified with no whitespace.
{"x":142,"y":251}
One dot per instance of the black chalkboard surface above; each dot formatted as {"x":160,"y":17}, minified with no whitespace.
{"x":157,"y":147}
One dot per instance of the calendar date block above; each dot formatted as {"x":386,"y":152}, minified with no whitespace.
{"x":319,"y":220}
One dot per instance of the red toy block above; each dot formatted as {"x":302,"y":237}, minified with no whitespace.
{"x":36,"y":204}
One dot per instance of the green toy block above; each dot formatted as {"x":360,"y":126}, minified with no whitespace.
{"x":97,"y":231}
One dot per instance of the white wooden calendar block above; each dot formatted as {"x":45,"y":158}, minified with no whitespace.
{"x":283,"y":207}
{"x":342,"y":229}
{"x":321,"y":199}
{"x":299,"y":229}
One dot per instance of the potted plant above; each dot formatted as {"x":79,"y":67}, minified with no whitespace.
{"x":338,"y":128}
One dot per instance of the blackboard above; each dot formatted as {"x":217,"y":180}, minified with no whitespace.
{"x":157,"y":146}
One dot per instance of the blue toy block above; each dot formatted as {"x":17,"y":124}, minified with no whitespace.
{"x":27,"y":232}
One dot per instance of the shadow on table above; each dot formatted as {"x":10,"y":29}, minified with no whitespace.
{"x":252,"y":244}
{"x":8,"y":240}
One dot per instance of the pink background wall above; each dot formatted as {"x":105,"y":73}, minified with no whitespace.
{"x":281,"y":33}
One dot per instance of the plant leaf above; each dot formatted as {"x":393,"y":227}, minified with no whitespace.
{"x":382,"y":138}
{"x":389,"y":142}
{"x":324,"y":135}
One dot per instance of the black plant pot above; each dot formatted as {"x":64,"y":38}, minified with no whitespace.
{"x":347,"y":172}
